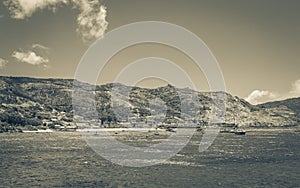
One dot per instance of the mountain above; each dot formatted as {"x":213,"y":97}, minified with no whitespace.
{"x":30,"y":102}
{"x":293,"y":104}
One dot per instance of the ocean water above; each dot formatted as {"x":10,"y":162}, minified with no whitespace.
{"x":261,"y":158}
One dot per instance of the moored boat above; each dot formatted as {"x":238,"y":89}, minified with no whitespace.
{"x":240,"y":132}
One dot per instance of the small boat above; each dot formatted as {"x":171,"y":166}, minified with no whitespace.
{"x":169,"y":129}
{"x":227,"y":131}
{"x":240,"y":132}
{"x":224,"y":131}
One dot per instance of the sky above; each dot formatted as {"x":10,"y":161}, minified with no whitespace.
{"x":256,"y":43}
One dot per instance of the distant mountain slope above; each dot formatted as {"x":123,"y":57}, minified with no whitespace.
{"x":31,"y":101}
{"x":293,"y":104}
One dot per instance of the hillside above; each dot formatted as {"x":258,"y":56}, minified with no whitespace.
{"x":30,"y":102}
{"x":293,"y":104}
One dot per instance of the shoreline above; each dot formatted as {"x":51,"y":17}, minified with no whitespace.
{"x":247,"y":129}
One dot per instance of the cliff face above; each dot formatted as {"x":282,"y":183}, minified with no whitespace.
{"x":29,"y":101}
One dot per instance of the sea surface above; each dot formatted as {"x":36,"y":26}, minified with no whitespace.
{"x":261,"y":158}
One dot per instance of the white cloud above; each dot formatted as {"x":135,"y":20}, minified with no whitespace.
{"x":29,"y":57}
{"x":21,"y":9}
{"x":295,"y":88}
{"x":91,"y":20}
{"x":259,"y":96}
{"x":3,"y":63}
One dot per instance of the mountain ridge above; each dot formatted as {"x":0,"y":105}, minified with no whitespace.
{"x":40,"y":101}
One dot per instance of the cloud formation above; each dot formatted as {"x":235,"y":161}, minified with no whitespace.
{"x":295,"y":88}
{"x":29,"y":57}
{"x":261,"y":96}
{"x":91,"y":20}
{"x":258,"y":96}
{"x":21,"y":9}
{"x":3,"y":63}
